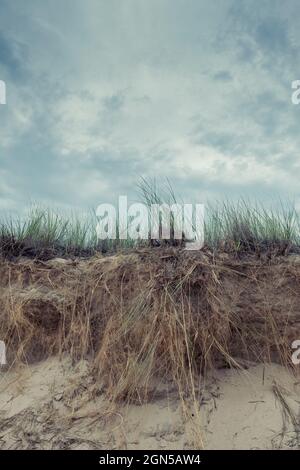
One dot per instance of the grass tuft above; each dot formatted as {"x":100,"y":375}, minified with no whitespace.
{"x":240,"y":227}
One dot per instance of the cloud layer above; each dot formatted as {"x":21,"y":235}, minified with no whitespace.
{"x":99,"y":93}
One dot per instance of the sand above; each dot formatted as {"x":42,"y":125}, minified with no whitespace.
{"x":55,"y":405}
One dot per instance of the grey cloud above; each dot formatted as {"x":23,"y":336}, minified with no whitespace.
{"x":143,"y":88}
{"x":272,"y":35}
{"x":223,"y":75}
{"x":114,"y":102}
{"x":13,"y":57}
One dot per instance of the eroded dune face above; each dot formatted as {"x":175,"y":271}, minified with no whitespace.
{"x":228,"y":308}
{"x":151,"y":326}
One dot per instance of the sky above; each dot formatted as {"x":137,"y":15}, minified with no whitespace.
{"x":102,"y":92}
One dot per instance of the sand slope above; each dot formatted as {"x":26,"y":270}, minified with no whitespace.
{"x":54,"y":405}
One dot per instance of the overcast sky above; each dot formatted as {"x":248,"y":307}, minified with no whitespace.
{"x":100,"y":92}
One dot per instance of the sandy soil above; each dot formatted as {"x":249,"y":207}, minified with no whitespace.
{"x":55,"y":405}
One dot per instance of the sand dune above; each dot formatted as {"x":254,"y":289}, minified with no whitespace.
{"x":54,"y":405}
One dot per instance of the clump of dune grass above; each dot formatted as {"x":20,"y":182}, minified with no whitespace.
{"x":236,"y":227}
{"x":239,"y":227}
{"x":246,"y":226}
{"x":45,"y":233}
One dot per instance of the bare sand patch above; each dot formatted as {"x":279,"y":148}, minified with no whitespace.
{"x":56,"y":405}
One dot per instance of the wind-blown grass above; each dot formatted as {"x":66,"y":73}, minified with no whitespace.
{"x":46,"y":233}
{"x":247,"y":226}
{"x":45,"y":230}
{"x":234,"y":227}
{"x":243,"y":225}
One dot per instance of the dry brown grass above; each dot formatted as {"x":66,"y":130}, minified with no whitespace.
{"x":151,"y":315}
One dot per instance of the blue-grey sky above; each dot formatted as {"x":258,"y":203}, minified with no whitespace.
{"x":100,"y":92}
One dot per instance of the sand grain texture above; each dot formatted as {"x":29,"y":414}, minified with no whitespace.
{"x":48,"y":406}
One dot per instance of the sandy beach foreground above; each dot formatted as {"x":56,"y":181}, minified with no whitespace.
{"x":53,"y":405}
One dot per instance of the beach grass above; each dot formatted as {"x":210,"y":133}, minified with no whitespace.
{"x":241,"y":226}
